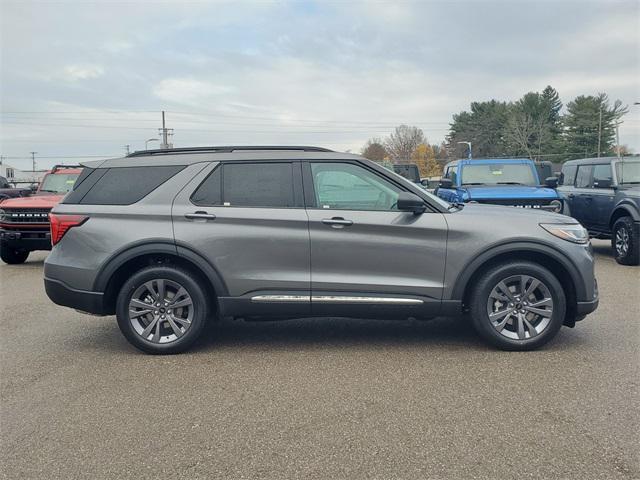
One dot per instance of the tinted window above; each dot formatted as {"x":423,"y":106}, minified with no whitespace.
{"x":602,"y":173}
{"x":345,"y":186}
{"x":210,"y":191}
{"x":568,"y":174}
{"x":58,"y":182}
{"x":127,"y":185}
{"x":583,"y":176}
{"x":258,"y":185}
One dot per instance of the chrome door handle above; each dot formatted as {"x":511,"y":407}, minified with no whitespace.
{"x":337,"y":222}
{"x":200,"y":216}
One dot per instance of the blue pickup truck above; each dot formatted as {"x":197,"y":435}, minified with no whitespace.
{"x":500,"y":181}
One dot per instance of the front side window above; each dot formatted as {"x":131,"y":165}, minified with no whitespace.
{"x":498,"y":174}
{"x":248,"y":185}
{"x":583,"y":177}
{"x":568,"y":175}
{"x":602,"y":176}
{"x":345,"y":186}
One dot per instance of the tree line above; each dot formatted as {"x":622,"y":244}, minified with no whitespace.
{"x":533,"y":126}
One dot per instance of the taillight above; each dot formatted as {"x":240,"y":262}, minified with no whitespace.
{"x":61,"y":223}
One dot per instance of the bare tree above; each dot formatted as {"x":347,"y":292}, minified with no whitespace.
{"x":403,"y":141}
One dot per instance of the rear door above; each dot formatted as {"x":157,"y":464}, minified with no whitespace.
{"x":247,"y":219}
{"x":365,"y":254}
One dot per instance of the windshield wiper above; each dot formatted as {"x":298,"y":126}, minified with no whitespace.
{"x":473,"y":183}
{"x":510,"y":183}
{"x":48,"y":191}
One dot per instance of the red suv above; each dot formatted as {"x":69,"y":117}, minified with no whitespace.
{"x":24,"y":221}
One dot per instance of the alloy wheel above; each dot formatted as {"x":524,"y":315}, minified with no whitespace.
{"x":622,"y":241}
{"x":161,"y":310}
{"x":520,"y":307}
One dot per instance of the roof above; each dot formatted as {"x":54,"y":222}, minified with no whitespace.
{"x":591,"y":161}
{"x":188,"y":156}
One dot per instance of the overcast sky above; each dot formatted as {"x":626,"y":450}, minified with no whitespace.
{"x":86,"y":78}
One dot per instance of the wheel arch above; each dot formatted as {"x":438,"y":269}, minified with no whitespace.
{"x":544,"y":255}
{"x":115,"y":272}
{"x":623,"y":210}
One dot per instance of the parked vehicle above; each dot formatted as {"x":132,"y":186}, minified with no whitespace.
{"x":184,"y":235}
{"x":8,"y":191}
{"x":24,"y":221}
{"x":512,"y":182}
{"x":603,"y":194}
{"x":410,"y":171}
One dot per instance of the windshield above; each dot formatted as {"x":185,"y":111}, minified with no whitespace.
{"x":498,"y":173}
{"x":59,"y":182}
{"x":628,"y":172}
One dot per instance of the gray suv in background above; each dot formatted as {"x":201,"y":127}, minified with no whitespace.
{"x":170,"y":239}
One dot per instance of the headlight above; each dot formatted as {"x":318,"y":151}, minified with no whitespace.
{"x":556,"y":206}
{"x":572,"y":232}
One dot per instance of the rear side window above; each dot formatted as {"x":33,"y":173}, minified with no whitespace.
{"x":583,"y":176}
{"x":568,"y":174}
{"x":248,"y":185}
{"x":120,"y":186}
{"x":602,"y":173}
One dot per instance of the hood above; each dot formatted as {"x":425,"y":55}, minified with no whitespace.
{"x":504,"y":213}
{"x":496,"y":192}
{"x":36,"y":201}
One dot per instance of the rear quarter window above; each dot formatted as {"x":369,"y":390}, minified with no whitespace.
{"x":120,"y":186}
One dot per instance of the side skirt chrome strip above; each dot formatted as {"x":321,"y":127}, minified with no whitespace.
{"x":334,"y":299}
{"x":376,"y":300}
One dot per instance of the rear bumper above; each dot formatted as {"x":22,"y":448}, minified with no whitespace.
{"x":83,"y":300}
{"x":585,"y":308}
{"x":26,"y":239}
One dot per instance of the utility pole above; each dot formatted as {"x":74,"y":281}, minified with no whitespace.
{"x":33,"y":161}
{"x":618,"y":138}
{"x":165,"y":133}
{"x":599,"y":129}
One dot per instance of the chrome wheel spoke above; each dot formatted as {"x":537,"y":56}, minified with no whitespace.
{"x":157,"y":322}
{"x":520,"y":307}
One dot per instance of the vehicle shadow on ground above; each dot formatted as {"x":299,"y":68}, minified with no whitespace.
{"x":602,"y":247}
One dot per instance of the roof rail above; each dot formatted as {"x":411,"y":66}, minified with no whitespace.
{"x":63,"y":167}
{"x":226,"y":149}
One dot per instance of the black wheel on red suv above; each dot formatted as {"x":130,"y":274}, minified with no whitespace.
{"x":161,"y":309}
{"x":12,"y":256}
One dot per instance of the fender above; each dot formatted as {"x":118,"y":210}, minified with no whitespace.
{"x":472,"y":267}
{"x":158,"y":246}
{"x":628,"y":206}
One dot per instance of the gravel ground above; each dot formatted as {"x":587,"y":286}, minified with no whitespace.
{"x":322,"y":398}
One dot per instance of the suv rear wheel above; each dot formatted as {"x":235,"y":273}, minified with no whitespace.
{"x":12,"y":256}
{"x":518,"y":306}
{"x":626,"y":245}
{"x":161,"y":310}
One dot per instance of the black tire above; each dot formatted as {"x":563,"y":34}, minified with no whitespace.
{"x":623,"y":231}
{"x":167,"y":274}
{"x":480,"y":297}
{"x":12,"y":256}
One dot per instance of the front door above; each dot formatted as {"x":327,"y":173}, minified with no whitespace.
{"x":366,"y":255}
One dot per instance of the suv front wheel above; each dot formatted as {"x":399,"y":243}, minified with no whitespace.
{"x":626,"y":245}
{"x":518,"y":306}
{"x":161,"y":310}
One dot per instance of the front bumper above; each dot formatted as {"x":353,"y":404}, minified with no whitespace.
{"x":26,"y":239}
{"x":83,"y":300}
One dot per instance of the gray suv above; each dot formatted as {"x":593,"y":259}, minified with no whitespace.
{"x":169,"y":239}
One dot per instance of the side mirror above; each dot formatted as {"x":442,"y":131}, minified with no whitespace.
{"x":445,"y":183}
{"x":551,"y":182}
{"x":424,"y":183}
{"x":409,"y":202}
{"x":603,"y":184}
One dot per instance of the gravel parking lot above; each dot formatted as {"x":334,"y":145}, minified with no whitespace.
{"x":322,"y":398}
